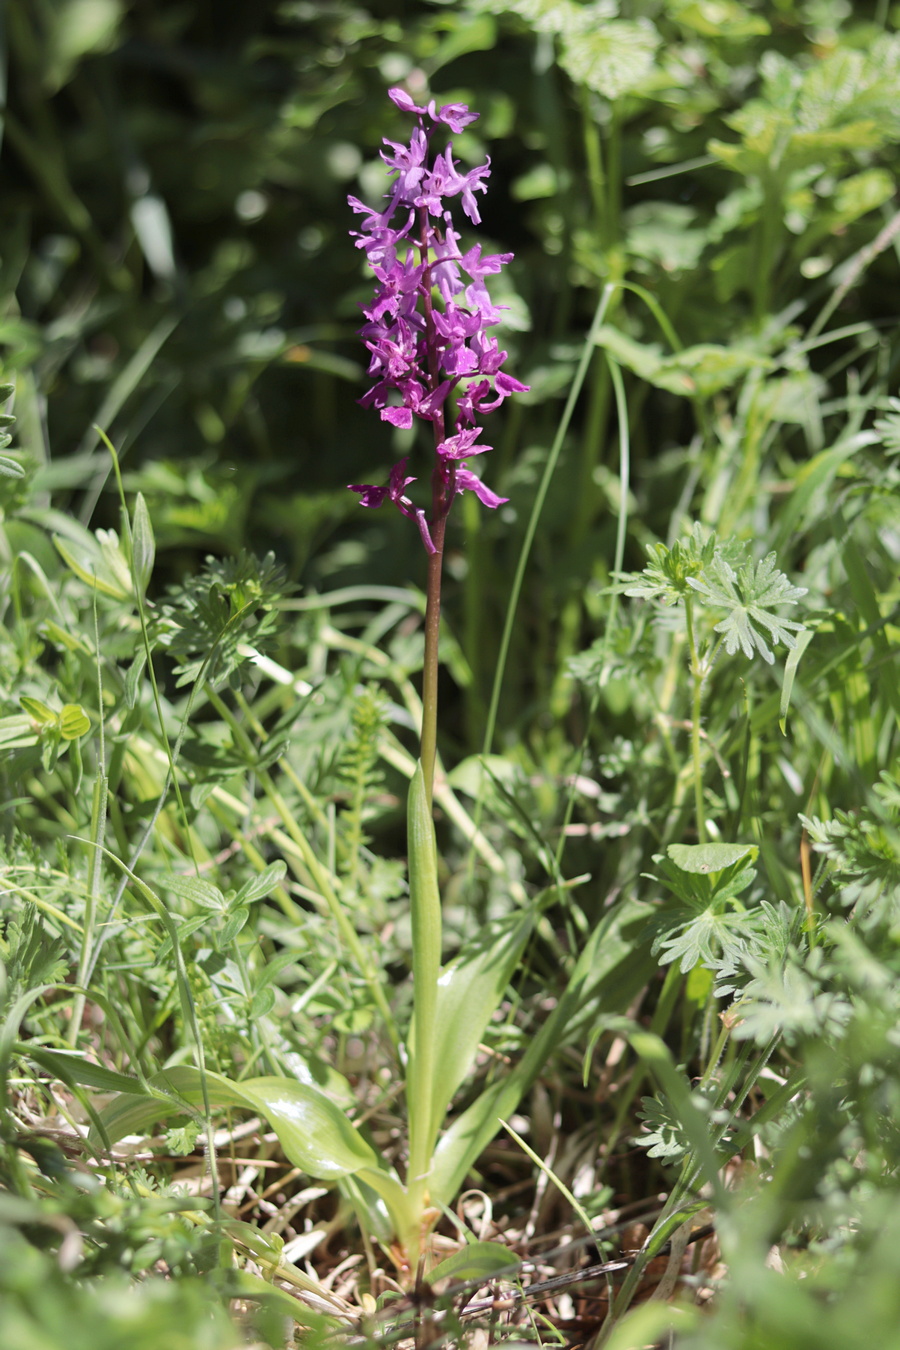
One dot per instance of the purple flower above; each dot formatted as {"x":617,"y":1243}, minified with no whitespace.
{"x":461,"y":445}
{"x":455,"y":115}
{"x":430,"y":354}
{"x":374,"y":496}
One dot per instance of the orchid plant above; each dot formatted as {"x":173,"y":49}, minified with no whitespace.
{"x":432,"y":358}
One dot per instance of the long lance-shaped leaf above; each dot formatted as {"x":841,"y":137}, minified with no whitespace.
{"x":425,"y":913}
{"x":469,"y":992}
{"x":607,"y":960}
{"x":314,"y":1133}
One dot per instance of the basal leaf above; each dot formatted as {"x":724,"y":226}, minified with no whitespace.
{"x":469,"y":992}
{"x":314,"y":1133}
{"x":477,"y":1261}
{"x":69,"y":1064}
{"x":608,"y":961}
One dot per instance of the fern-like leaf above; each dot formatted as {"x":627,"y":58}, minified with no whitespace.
{"x":749,"y":595}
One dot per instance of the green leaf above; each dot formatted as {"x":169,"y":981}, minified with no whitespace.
{"x":425,"y":915}
{"x":178,"y":930}
{"x":314,"y":1133}
{"x":38,"y":711}
{"x":143,"y":546}
{"x":10,"y":468}
{"x":259,"y":887}
{"x":609,"y":971}
{"x":888,"y":427}
{"x":235,"y":921}
{"x":668,"y":573}
{"x":476,"y":1261}
{"x":263,"y":1000}
{"x":652,"y":1324}
{"x":708,"y":368}
{"x":710,"y":937}
{"x":73,"y":722}
{"x":790,"y":671}
{"x":69,"y":1064}
{"x":133,"y":678}
{"x":196,"y":891}
{"x":719,"y":19}
{"x":244,"y":1285}
{"x":657,"y":1057}
{"x":79,"y":28}
{"x":643,"y":358}
{"x":749,"y":595}
{"x":611,"y":58}
{"x":95,"y":566}
{"x":469,"y":993}
{"x":709,"y":857}
{"x":17,"y":731}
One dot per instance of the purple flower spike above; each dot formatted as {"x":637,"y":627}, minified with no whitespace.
{"x":431,"y":357}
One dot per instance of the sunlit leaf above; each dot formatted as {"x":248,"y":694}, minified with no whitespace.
{"x":749,"y":595}
{"x":73,"y":722}
{"x":709,"y":857}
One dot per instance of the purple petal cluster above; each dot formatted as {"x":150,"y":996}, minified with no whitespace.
{"x":426,"y":326}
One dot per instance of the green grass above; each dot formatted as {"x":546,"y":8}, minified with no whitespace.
{"x":668,"y":805}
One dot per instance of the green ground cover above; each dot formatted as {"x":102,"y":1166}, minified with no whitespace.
{"x":653,"y":957}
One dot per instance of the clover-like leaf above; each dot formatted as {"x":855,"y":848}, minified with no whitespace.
{"x":749,"y":595}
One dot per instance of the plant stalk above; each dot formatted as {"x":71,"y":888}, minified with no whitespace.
{"x":697,"y":676}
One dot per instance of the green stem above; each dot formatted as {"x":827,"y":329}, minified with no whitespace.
{"x":697,"y":675}
{"x":430,"y":666}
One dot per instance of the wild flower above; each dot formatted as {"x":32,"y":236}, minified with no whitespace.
{"x":426,"y":326}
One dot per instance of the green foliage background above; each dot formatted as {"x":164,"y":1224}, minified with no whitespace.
{"x":175,"y":269}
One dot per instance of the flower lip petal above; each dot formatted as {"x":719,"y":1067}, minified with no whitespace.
{"x":369,"y":495}
{"x":398,"y":417}
{"x":466,"y":479}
